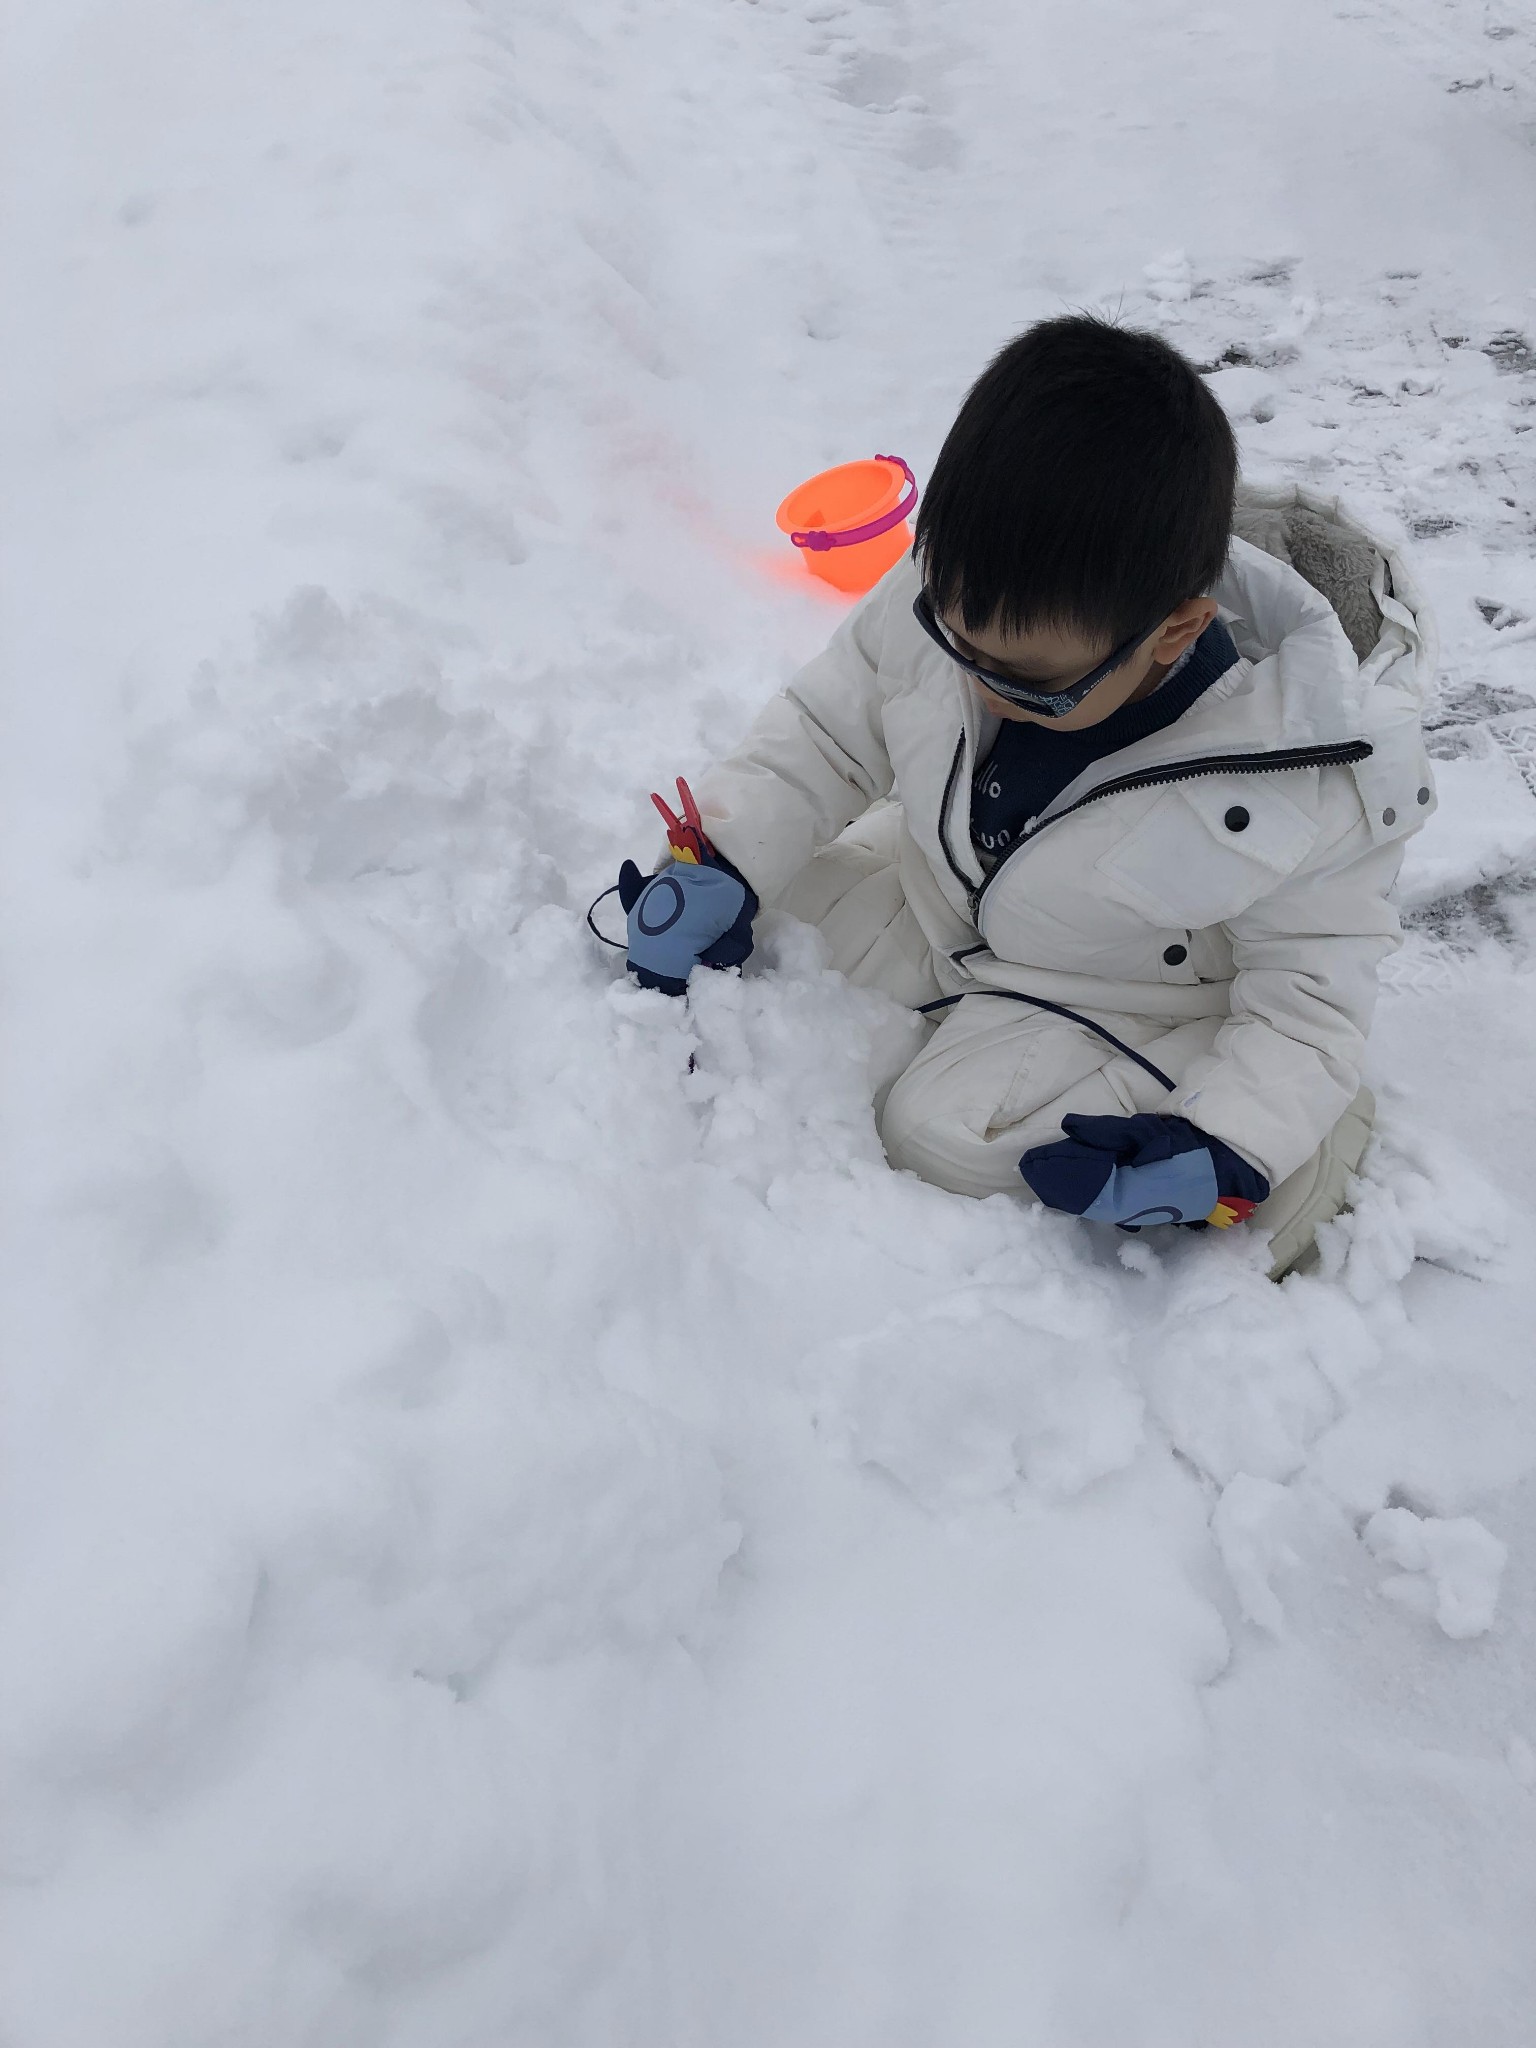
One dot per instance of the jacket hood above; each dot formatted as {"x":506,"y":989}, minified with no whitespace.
{"x":1361,"y":668}
{"x":1382,"y":613}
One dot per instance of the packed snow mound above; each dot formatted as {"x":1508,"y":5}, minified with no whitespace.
{"x":520,"y":1528}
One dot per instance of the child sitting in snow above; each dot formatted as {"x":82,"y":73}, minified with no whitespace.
{"x":1113,"y":774}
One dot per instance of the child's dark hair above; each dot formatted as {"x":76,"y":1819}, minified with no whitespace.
{"x":1086,"y":484}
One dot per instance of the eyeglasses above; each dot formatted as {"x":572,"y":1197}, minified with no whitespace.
{"x":1049,"y":703}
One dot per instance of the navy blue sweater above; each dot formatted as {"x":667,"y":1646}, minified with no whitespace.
{"x":1029,"y":764}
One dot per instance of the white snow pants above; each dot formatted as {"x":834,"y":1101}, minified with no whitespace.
{"x":997,"y":1076}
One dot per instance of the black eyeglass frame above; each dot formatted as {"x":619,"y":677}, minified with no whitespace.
{"x":1049,"y":703}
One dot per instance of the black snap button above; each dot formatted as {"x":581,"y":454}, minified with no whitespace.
{"x":1389,"y":816}
{"x":1424,"y":795}
{"x":1176,"y":955}
{"x":1236,"y":819}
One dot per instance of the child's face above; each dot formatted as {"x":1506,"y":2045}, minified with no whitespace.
{"x":1048,"y":659}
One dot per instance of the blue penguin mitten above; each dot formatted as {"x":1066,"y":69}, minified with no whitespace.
{"x":691,"y":913}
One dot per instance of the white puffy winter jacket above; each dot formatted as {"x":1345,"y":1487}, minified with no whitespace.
{"x":1238,"y":863}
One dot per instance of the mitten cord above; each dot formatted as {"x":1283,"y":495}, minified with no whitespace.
{"x":1060,"y":1010}
{"x":618,"y":945}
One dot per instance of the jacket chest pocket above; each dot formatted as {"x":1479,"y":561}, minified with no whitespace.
{"x":1207,"y":849}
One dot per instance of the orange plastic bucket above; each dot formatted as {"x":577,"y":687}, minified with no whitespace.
{"x":850,"y":523}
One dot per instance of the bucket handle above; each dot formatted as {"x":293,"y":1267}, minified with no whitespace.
{"x":818,"y":540}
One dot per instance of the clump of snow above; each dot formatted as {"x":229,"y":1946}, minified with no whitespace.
{"x":1246,"y":1524}
{"x":1013,"y":1384}
{"x":1451,"y":1567}
{"x":1170,"y":277}
{"x":1246,"y":393}
{"x":1422,"y":1196}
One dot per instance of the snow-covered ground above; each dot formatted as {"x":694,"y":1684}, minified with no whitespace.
{"x":522,"y":1532}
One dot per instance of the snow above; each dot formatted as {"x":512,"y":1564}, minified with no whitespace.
{"x":1485,"y":828}
{"x":519,"y":1527}
{"x":1451,"y":1567}
{"x":1250,"y":1547}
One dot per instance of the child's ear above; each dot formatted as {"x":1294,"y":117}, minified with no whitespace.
{"x":1183,"y":627}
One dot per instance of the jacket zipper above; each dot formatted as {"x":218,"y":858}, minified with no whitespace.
{"x":972,"y":889}
{"x":1344,"y":751}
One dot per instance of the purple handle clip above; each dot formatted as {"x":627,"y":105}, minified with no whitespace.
{"x":818,"y":540}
